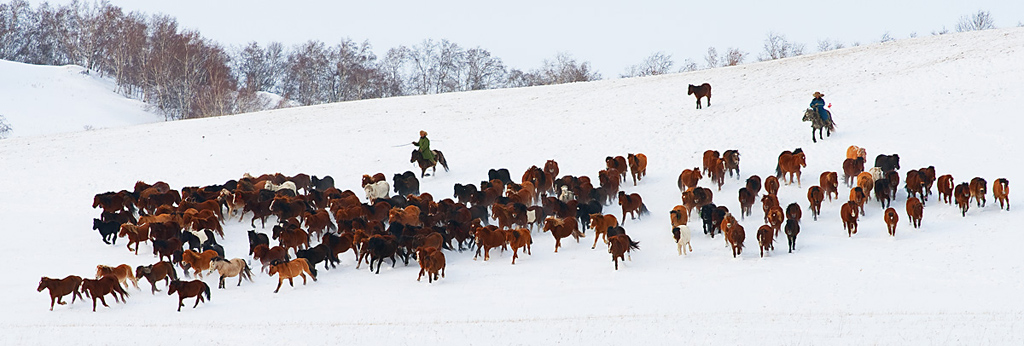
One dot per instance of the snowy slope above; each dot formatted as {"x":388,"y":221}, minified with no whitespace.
{"x":54,"y":99}
{"x":948,"y":101}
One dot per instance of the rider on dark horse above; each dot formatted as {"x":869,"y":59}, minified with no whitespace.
{"x":424,"y":147}
{"x":818,"y":104}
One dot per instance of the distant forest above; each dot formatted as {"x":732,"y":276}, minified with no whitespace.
{"x":184,"y":75}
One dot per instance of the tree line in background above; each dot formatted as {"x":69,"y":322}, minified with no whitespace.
{"x":184,"y":75}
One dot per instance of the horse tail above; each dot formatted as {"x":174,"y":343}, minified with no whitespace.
{"x":441,"y":160}
{"x":206,"y":289}
{"x":643,"y":209}
{"x":634,"y":245}
{"x":311,"y":269}
{"x":246,"y":271}
{"x":174,"y":273}
{"x":778,"y":171}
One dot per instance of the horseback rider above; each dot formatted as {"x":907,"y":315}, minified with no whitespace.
{"x":424,"y":147}
{"x":818,"y":104}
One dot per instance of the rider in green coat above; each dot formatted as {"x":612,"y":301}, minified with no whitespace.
{"x":424,"y":145}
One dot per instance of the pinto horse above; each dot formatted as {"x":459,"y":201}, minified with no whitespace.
{"x":60,"y":288}
{"x":632,"y":204}
{"x":619,"y":245}
{"x":103,"y":286}
{"x":703,"y":90}
{"x":291,"y":269}
{"x":417,"y":157}
{"x":790,"y":163}
{"x":188,"y":289}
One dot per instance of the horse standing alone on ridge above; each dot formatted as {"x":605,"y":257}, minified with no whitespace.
{"x":704,"y":90}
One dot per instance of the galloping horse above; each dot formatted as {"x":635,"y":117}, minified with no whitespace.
{"x":817,"y":124}
{"x":60,"y":288}
{"x":289,"y":270}
{"x":790,"y":163}
{"x":704,"y":90}
{"x":417,"y":157}
{"x":187,"y":289}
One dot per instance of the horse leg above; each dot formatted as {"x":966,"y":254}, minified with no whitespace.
{"x":815,"y":140}
{"x":198,"y":298}
{"x":221,"y":284}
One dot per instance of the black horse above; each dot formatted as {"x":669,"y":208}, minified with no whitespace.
{"x":107,"y":230}
{"x":406,"y":184}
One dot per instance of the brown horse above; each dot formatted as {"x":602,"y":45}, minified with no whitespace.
{"x":637,"y":166}
{"x":718,"y":173}
{"x":123,"y":273}
{"x":291,"y":237}
{"x":815,"y":197}
{"x":765,"y":238}
{"x":199,"y":262}
{"x":747,"y":200}
{"x":849,"y":214}
{"x":689,"y":178}
{"x":857,"y":196}
{"x":789,"y":164}
{"x":709,"y":160}
{"x":519,"y":238}
{"x":432,"y":263}
{"x":851,"y":168}
{"x":619,"y":245}
{"x":915,"y":211}
{"x":617,"y":163}
{"x":735,"y":235}
{"x":945,"y":187}
{"x":771,"y":185}
{"x":792,"y":230}
{"x":962,"y":195}
{"x":267,"y":255}
{"x":188,"y":289}
{"x":979,"y":187}
{"x":156,"y":272}
{"x":632,"y":204}
{"x":704,"y":90}
{"x":829,"y":182}
{"x":561,"y":228}
{"x":776,"y":216}
{"x":853,"y":152}
{"x":767,"y":203}
{"x":551,"y":168}
{"x":489,"y":237}
{"x":417,"y":157}
{"x":866,"y":183}
{"x":891,"y":219}
{"x":60,"y":288}
{"x":1001,"y":191}
{"x":410,"y":216}
{"x":679,"y":216}
{"x":289,"y":270}
{"x":600,"y":223}
{"x":731,"y":160}
{"x":103,"y":286}
{"x":914,"y":184}
{"x":135,"y":234}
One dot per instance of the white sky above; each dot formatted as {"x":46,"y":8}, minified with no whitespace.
{"x":612,"y":35}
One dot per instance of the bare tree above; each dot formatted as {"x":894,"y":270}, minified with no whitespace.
{"x":712,"y":57}
{"x":886,"y":38}
{"x":565,"y":69}
{"x":483,"y":71}
{"x":688,"y":65}
{"x":655,"y":64}
{"x":5,"y":128}
{"x":978,"y":21}
{"x":777,"y":47}
{"x":733,"y":57}
{"x":940,"y":32}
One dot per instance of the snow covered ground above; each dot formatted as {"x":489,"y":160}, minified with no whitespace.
{"x":951,"y":101}
{"x":38,"y":100}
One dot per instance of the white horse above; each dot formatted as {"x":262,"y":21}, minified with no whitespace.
{"x":682,"y":235}
{"x":566,"y":195}
{"x":377,"y":190}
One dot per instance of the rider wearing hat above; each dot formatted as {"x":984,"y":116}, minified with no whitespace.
{"x":424,"y":146}
{"x":818,"y":104}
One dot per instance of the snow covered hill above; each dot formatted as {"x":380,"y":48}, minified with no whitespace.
{"x":950,"y":101}
{"x":40,"y":100}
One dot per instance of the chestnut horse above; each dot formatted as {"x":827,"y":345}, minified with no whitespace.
{"x":775,"y":219}
{"x":135,"y":234}
{"x":814,"y":196}
{"x":851,"y":168}
{"x":291,"y":269}
{"x":854,"y":152}
{"x":490,"y":237}
{"x":600,"y":223}
{"x":866,"y":182}
{"x":519,"y":238}
{"x":731,"y":160}
{"x":617,"y":163}
{"x":829,"y":182}
{"x":199,"y":262}
{"x":267,"y":255}
{"x":60,"y":288}
{"x":962,"y":195}
{"x":632,"y":204}
{"x":432,"y":263}
{"x":765,"y":238}
{"x":689,"y":178}
{"x":979,"y":187}
{"x":945,"y":187}
{"x":101,"y":287}
{"x":754,"y":184}
{"x":710,"y":157}
{"x":561,"y":228}
{"x":417,"y":157}
{"x":188,"y":289}
{"x":619,"y":245}
{"x":771,"y":185}
{"x":679,"y":215}
{"x":123,"y":273}
{"x":704,"y":90}
{"x":891,"y":219}
{"x":735,"y":235}
{"x":637,"y":166}
{"x":155,"y":272}
{"x":790,"y":163}
{"x":849,"y":214}
{"x":747,"y":200}
{"x":915,"y":211}
{"x":1001,"y":191}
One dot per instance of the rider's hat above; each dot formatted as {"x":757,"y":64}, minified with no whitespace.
{"x":818,"y":94}
{"x":423,"y":133}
